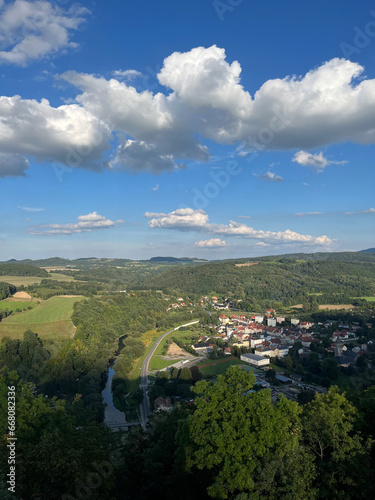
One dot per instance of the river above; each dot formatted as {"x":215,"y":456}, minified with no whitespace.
{"x":113,"y":417}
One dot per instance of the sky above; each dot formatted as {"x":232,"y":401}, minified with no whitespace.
{"x":215,"y":129}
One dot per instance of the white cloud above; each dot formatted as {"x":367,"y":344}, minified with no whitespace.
{"x":35,"y":30}
{"x":128,"y":74}
{"x":156,"y":188}
{"x":187,"y":219}
{"x":270,"y":177}
{"x":262,"y":244}
{"x":301,"y":214}
{"x":12,"y":164}
{"x":213,"y":243}
{"x":369,"y":211}
{"x":85,"y":223}
{"x":316,"y":161}
{"x":31,"y":209}
{"x":158,"y":132}
{"x":68,"y":134}
{"x":244,"y":216}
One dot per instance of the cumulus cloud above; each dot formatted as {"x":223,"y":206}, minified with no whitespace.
{"x":188,"y":219}
{"x":85,"y":223}
{"x":13,"y":165}
{"x":68,"y":134}
{"x":33,"y":30}
{"x":156,"y":132}
{"x":213,"y":243}
{"x":316,"y":161}
{"x":270,"y":177}
{"x":369,"y":211}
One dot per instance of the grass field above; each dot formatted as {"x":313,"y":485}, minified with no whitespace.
{"x":30,"y":280}
{"x":210,"y":368}
{"x":369,"y":299}
{"x":12,"y":306}
{"x":157,"y":363}
{"x":50,"y":319}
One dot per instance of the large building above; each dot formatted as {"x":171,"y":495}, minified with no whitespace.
{"x":255,"y":360}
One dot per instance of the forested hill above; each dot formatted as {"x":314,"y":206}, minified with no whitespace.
{"x":13,"y":269}
{"x":286,"y":279}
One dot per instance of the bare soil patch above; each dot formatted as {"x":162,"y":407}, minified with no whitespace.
{"x":174,"y":351}
{"x":336,"y":307}
{"x":21,"y":295}
{"x":298,"y":306}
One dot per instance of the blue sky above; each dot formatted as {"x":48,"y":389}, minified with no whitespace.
{"x":215,"y":129}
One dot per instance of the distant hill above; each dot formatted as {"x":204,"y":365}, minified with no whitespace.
{"x":325,"y":278}
{"x":369,"y":250}
{"x":176,"y":259}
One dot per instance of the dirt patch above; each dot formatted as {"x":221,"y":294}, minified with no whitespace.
{"x":174,"y":351}
{"x":298,"y":306}
{"x":247,"y":264}
{"x":21,"y":295}
{"x":336,"y":307}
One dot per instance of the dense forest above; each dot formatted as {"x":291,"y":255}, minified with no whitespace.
{"x":233,"y":443}
{"x":12,"y":269}
{"x":287,"y":280}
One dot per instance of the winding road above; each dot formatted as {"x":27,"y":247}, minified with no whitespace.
{"x":145,"y":405}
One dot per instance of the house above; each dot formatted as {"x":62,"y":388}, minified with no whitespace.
{"x":280,"y":319}
{"x":294,"y":321}
{"x":255,"y":341}
{"x":254,"y":360}
{"x":161,"y":404}
{"x":202,"y":347}
{"x":259,"y":318}
{"x":223,"y":319}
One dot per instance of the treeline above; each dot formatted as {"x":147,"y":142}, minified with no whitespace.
{"x":6,"y":290}
{"x":49,"y":288}
{"x":11,"y":269}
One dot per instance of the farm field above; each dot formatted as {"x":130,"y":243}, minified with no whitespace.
{"x":369,"y":299}
{"x":14,"y":305}
{"x":50,"y":319}
{"x":31,"y":280}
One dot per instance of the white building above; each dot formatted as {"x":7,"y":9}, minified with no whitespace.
{"x":255,"y":360}
{"x":294,"y":321}
{"x":271,"y":322}
{"x":259,"y":318}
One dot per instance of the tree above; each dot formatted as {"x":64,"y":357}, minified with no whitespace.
{"x":185,"y":374}
{"x":340,"y":454}
{"x":247,"y":443}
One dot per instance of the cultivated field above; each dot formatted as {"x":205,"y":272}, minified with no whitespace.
{"x":13,"y":305}
{"x":50,"y":319}
{"x":31,"y":280}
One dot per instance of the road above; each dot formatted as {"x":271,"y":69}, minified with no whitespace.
{"x":145,"y":405}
